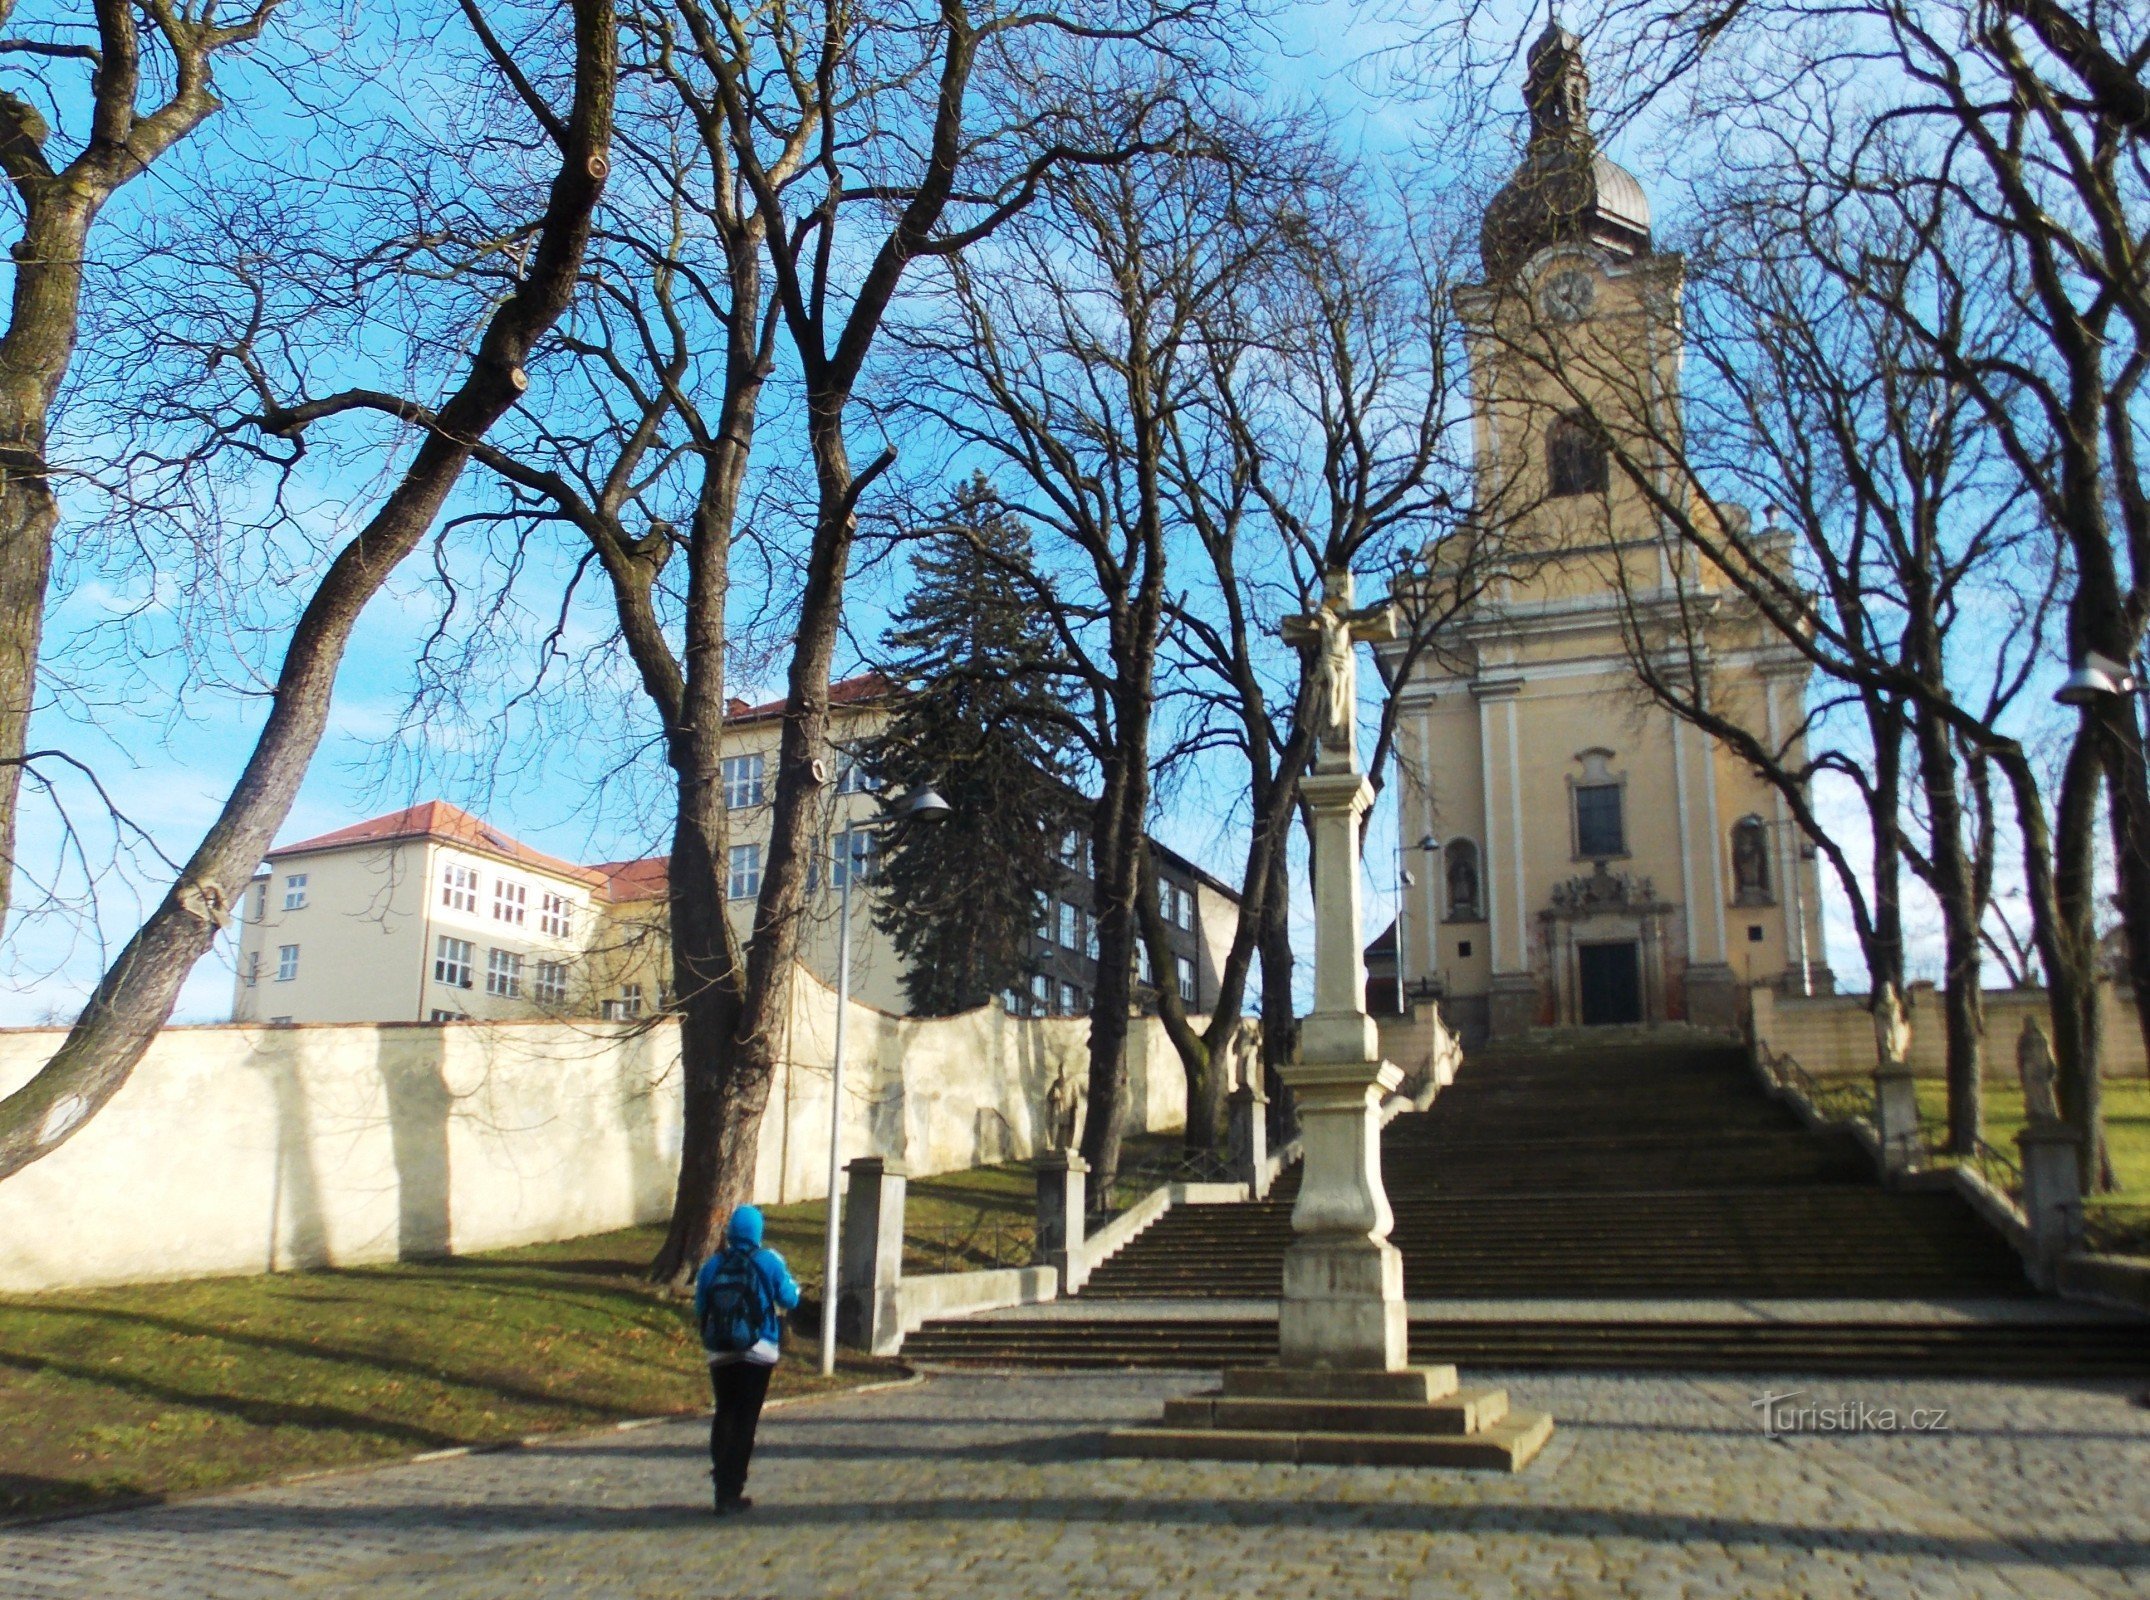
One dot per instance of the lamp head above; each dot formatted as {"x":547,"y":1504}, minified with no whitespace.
{"x":2095,"y":677}
{"x":924,"y":804}
{"x":1429,"y":844}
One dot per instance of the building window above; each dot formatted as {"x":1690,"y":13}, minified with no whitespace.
{"x":851,"y":850}
{"x":551,"y":988}
{"x":1574,"y":457}
{"x":295,"y":892}
{"x":446,"y":1016}
{"x":1070,"y":1000}
{"x":1045,"y":918}
{"x":1463,"y":949}
{"x":851,"y":774}
{"x":742,"y":781}
{"x":1011,"y":1001}
{"x":744,"y":880}
{"x":253,"y":968}
{"x":287,"y":962}
{"x":452,"y":962}
{"x":510,"y":902}
{"x":1460,"y":868}
{"x":1185,"y":970}
{"x":459,"y":887}
{"x":504,"y":974}
{"x":556,"y":915}
{"x":1600,"y":830}
{"x":630,"y":1002}
{"x":1175,"y":904}
{"x":1144,"y":973}
{"x":261,"y":904}
{"x":1186,"y":917}
{"x":1070,"y":926}
{"x":279,"y":1022}
{"x":1041,"y":991}
{"x":1089,"y":937}
{"x":1754,"y":933}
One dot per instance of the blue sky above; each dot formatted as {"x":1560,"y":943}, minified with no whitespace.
{"x":167,"y":757}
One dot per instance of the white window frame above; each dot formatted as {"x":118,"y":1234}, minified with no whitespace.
{"x":556,"y":915}
{"x":504,"y":973}
{"x":459,"y":887}
{"x":1070,"y":926}
{"x":849,"y":848}
{"x":1041,"y":990}
{"x":549,"y":987}
{"x":511,"y":901}
{"x":1070,"y":999}
{"x":287,"y":962}
{"x":253,"y":968}
{"x":742,"y":872}
{"x":295,"y":891}
{"x":744,"y":778}
{"x":454,"y":961}
{"x":1183,"y":970}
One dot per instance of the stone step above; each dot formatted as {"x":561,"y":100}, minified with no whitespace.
{"x":1504,"y":1446}
{"x":1463,"y":1411}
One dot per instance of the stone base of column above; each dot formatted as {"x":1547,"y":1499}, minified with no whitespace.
{"x":1343,"y":1308}
{"x":1713,"y":997}
{"x":1896,"y":1117}
{"x":1512,"y":1007}
{"x":1415,"y":1417}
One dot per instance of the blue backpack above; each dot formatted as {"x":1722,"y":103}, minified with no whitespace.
{"x":736,"y":1308}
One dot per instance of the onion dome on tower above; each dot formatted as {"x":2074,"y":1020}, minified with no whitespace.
{"x":1563,"y":191}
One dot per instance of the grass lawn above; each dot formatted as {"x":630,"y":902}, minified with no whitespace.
{"x":171,"y":1388}
{"x":2127,"y":1126}
{"x":159,"y":1389}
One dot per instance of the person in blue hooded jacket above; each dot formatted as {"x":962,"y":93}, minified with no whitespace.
{"x":740,"y":1297}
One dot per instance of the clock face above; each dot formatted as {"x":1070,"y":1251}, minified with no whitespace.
{"x":1568,"y":296}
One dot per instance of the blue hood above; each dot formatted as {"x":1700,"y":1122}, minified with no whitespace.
{"x":745,"y":1228}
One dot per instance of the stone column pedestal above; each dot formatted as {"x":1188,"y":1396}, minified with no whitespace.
{"x":870,"y":1263}
{"x":1062,"y":1198}
{"x":1512,"y":1005}
{"x":1342,"y":1306}
{"x":2052,"y":1195}
{"x":1896,"y":1117}
{"x":1249,"y":1113}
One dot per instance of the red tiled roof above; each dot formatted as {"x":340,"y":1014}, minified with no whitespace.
{"x":647,"y":878}
{"x":844,"y":692}
{"x":436,"y":819}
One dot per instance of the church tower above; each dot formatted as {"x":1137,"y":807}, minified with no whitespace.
{"x":1594,"y":858}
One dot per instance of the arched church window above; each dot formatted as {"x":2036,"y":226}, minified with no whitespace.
{"x":1460,"y":860}
{"x":1574,"y":459}
{"x":1750,"y":862}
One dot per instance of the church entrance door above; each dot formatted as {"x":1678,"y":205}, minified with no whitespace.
{"x":1610,"y":983}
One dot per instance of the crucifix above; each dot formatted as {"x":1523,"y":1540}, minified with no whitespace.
{"x":1328,"y":636}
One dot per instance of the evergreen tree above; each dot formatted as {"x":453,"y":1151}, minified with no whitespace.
{"x":982,"y":720}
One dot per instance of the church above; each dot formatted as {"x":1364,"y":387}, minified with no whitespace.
{"x":1575,"y":852}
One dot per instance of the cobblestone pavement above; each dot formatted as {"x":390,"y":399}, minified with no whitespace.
{"x":991,"y":1484}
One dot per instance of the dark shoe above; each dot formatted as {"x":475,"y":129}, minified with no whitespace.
{"x":737,"y":1502}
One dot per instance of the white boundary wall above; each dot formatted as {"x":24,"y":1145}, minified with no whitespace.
{"x":245,"y":1148}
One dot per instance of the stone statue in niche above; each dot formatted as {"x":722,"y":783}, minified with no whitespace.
{"x":1462,"y":880}
{"x":2041,"y":1078}
{"x":1750,"y":862}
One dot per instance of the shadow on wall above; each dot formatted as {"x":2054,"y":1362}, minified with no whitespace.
{"x":419,"y":1105}
{"x":298,"y":1236}
{"x":652,"y":1139}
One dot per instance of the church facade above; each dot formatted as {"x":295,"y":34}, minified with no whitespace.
{"x":1578,"y":854}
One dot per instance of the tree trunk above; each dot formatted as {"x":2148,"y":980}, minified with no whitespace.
{"x":1116,"y":839}
{"x":1955,"y":888}
{"x":1280,"y":1017}
{"x":134,"y":998}
{"x":2128,"y":805}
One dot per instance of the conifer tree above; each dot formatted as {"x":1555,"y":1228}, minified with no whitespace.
{"x":982,"y":720}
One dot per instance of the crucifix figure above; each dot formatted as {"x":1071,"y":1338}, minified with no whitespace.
{"x":1328,"y":636}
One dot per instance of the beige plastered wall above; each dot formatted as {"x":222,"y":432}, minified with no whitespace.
{"x":1833,"y":1035}
{"x":241,"y":1149}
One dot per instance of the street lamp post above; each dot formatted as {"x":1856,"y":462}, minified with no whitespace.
{"x":1426,"y":846}
{"x":920,"y":805}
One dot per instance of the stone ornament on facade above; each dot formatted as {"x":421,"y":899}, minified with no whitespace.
{"x":1603,"y":890}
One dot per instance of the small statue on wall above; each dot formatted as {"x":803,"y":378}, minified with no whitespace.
{"x":2041,"y":1078}
{"x":1063,"y":1113}
{"x":1750,"y":862}
{"x":1462,"y":881}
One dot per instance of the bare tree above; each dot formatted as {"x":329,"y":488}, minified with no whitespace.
{"x":135,"y":997}
{"x":150,"y":84}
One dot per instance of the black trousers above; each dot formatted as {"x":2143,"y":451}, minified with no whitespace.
{"x":740,"y":1388}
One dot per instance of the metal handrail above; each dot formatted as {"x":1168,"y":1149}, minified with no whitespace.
{"x":984,"y":1241}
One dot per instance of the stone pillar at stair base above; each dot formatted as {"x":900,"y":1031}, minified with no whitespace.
{"x":1896,"y":1116}
{"x":1062,"y":1186}
{"x":870,"y":1257}
{"x":2052,"y":1195}
{"x":1249,"y":1117}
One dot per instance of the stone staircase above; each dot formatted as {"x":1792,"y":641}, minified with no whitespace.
{"x":1626,"y":1202}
